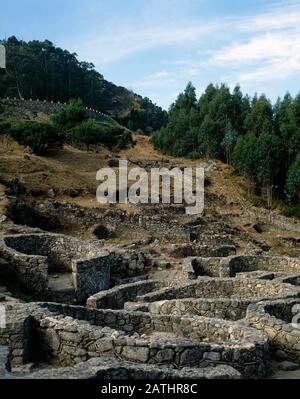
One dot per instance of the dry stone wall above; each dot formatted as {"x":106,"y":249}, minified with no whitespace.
{"x":47,"y":107}
{"x":275,"y":319}
{"x":31,"y":258}
{"x":116,"y":297}
{"x":206,"y":287}
{"x":232,"y":265}
{"x":132,"y":336}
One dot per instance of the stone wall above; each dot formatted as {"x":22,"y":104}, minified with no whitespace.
{"x":47,"y":107}
{"x":5,"y":366}
{"x":132,"y":336}
{"x":17,"y":337}
{"x":111,"y":368}
{"x":275,"y":319}
{"x":116,"y":297}
{"x":231,"y":265}
{"x":207,"y":287}
{"x":228,"y":309}
{"x":31,"y":258}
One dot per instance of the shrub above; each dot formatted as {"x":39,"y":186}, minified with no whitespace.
{"x":292,"y":211}
{"x":38,"y":136}
{"x":92,"y":132}
{"x":70,"y":116}
{"x":86,"y":133}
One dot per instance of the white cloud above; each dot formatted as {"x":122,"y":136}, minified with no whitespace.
{"x":271,"y":52}
{"x":269,"y":46}
{"x":110,"y":46}
{"x":250,"y":49}
{"x":282,"y":17}
{"x":156,"y":79}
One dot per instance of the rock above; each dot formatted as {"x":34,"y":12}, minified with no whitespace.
{"x":165,"y":356}
{"x":212,"y":356}
{"x":3,"y":218}
{"x":136,"y":354}
{"x":51,"y":193}
{"x":288,"y":366}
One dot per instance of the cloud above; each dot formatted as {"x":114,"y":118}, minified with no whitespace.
{"x":272,"y":54}
{"x":285,"y":15}
{"x":244,"y":48}
{"x":269,"y":46}
{"x":156,"y":79}
{"x":110,"y":46}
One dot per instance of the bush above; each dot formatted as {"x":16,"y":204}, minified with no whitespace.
{"x":38,"y":136}
{"x":86,"y":133}
{"x":124,"y":140}
{"x":70,"y":116}
{"x":292,"y":211}
{"x":194,"y":155}
{"x":92,"y":132}
{"x":4,"y":127}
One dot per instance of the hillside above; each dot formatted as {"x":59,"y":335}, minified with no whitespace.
{"x":149,"y":247}
{"x":67,"y":178}
{"x":40,"y":70}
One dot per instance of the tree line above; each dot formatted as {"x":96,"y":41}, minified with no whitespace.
{"x":40,"y":70}
{"x":260,"y":140}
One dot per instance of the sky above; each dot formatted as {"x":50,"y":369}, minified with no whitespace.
{"x":155,"y":47}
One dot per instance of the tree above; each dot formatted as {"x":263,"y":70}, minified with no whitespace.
{"x":293,"y":180}
{"x":260,"y":118}
{"x":229,"y":141}
{"x":71,"y":115}
{"x":40,"y":70}
{"x":245,"y":158}
{"x":269,"y":161}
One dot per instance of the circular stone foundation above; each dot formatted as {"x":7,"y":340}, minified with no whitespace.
{"x":280,"y":320}
{"x":72,"y":334}
{"x":250,"y":290}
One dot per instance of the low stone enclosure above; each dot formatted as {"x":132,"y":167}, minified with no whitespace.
{"x":78,"y":269}
{"x":222,"y":318}
{"x":64,"y":269}
{"x":249,"y":290}
{"x":110,"y":368}
{"x":232,"y":265}
{"x":64,"y":335}
{"x":281,"y":321}
{"x":209,"y":297}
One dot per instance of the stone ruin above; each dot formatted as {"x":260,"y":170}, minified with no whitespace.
{"x":60,"y":268}
{"x":100,"y":317}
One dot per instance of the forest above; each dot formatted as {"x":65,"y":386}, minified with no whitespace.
{"x":40,"y":70}
{"x":259,"y":139}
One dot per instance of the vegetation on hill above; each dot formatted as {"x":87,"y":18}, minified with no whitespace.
{"x":70,"y":125}
{"x":39,"y":70}
{"x":261,"y":140}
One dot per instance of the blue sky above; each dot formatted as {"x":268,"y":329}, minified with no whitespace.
{"x":155,"y":47}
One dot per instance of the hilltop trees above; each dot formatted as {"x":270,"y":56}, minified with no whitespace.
{"x":260,"y":140}
{"x":40,"y":70}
